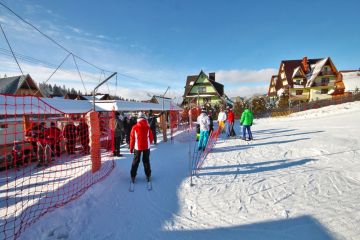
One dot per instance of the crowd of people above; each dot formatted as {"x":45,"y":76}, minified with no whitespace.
{"x":46,"y":141}
{"x":226,"y":119}
{"x":138,"y":131}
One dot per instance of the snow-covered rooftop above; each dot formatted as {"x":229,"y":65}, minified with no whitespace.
{"x":31,"y":105}
{"x":351,"y":80}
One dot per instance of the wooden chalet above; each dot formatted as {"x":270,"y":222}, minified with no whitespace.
{"x":348,"y":82}
{"x":19,"y":85}
{"x":203,"y":90}
{"x":304,"y":80}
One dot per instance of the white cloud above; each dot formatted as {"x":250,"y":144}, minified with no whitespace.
{"x":246,"y":91}
{"x":245,"y":83}
{"x":245,"y":76}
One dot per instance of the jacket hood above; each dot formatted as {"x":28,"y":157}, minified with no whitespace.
{"x":142,"y":121}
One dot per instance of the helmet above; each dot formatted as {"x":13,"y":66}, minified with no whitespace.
{"x":141,"y":115}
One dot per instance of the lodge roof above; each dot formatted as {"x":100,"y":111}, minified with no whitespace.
{"x":10,"y":85}
{"x":219,"y":88}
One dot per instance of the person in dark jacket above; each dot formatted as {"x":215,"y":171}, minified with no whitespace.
{"x":246,"y":121}
{"x":152,"y":120}
{"x":69,"y":133}
{"x":140,"y":139}
{"x":118,"y":129}
{"x":83,"y":132}
{"x":127,"y":129}
{"x":211,"y":125}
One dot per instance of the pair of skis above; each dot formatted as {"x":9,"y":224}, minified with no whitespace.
{"x":132,"y":186}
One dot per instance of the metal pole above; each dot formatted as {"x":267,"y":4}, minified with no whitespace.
{"x":96,"y":88}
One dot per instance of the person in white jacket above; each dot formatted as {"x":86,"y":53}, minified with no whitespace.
{"x":204,"y":122}
{"x":222,"y":119}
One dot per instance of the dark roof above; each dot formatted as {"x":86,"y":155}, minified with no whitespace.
{"x":74,"y":96}
{"x":189,"y":79}
{"x":218,"y":86}
{"x":10,"y":85}
{"x":290,"y":65}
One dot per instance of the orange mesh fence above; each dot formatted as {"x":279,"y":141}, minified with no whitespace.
{"x":174,"y":121}
{"x":47,"y":159}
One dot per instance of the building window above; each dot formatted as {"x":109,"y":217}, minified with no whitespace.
{"x":299,"y":92}
{"x":298,"y":81}
{"x":324,"y":91}
{"x":202,"y":89}
{"x":4,"y":125}
{"x":325,"y":81}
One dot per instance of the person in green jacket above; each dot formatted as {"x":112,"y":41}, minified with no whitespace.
{"x":246,"y":121}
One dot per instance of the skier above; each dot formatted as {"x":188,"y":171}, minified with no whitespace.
{"x":82,"y":131}
{"x":211,"y":125}
{"x":246,"y":121}
{"x":230,"y":120}
{"x":140,"y":139}
{"x":53,"y":135}
{"x":69,"y":132}
{"x":118,"y":129}
{"x":222,"y":119}
{"x":153,"y":124}
{"x":204,"y":122}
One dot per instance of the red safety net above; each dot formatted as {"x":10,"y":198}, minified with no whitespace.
{"x":47,"y":159}
{"x":174,"y":120}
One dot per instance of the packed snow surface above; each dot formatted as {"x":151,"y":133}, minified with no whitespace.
{"x":299,"y":179}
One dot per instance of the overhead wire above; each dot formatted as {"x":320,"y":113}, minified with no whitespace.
{"x":12,"y":52}
{"x":30,"y":59}
{"x":79,"y":72}
{"x":50,"y":38}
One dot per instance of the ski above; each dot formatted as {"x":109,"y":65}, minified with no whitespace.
{"x":132,"y":186}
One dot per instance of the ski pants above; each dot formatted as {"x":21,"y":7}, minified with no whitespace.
{"x":248,"y":130}
{"x":153,"y":130}
{"x":230,"y":129}
{"x":204,"y":135}
{"x":222,"y":126}
{"x":145,"y":160}
{"x":117,"y":142}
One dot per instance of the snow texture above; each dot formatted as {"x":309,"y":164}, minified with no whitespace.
{"x":299,"y":179}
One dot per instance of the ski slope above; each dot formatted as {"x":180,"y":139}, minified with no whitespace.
{"x":299,"y":179}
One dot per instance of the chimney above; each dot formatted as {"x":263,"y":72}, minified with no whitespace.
{"x":305,"y":64}
{"x":212,"y":76}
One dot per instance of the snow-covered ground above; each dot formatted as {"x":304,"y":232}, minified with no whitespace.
{"x":299,"y":179}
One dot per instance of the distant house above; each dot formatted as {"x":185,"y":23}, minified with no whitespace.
{"x":159,"y":99}
{"x":74,"y":97}
{"x":304,"y":80}
{"x":349,"y":81}
{"x":98,"y":96}
{"x":19,"y":85}
{"x":203,"y":90}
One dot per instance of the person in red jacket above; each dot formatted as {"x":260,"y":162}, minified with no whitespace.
{"x":230,"y":119}
{"x":53,"y":135}
{"x":140,"y":139}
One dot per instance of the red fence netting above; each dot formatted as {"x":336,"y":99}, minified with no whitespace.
{"x":46,"y":159}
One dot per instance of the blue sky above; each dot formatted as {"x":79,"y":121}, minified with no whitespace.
{"x":158,"y":43}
